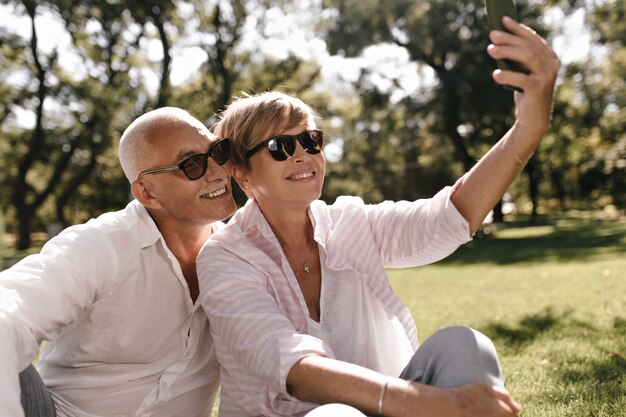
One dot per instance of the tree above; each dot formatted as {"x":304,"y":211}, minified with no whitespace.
{"x":24,"y":206}
{"x":584,"y":155}
{"x":68,"y":167}
{"x":449,"y":38}
{"x":78,"y":124}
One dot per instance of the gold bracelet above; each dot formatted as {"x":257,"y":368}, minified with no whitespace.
{"x":382,"y":396}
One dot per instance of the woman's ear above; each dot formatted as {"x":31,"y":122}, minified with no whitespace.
{"x":241,"y":176}
{"x":141,"y":191}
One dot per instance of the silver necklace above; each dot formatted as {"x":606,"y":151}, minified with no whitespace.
{"x":306,"y":266}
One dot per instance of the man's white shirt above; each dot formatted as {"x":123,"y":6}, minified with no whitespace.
{"x":125,"y":337}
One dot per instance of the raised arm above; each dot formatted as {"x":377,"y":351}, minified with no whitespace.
{"x":486,"y":182}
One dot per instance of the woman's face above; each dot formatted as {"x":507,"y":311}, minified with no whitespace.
{"x":294,"y":182}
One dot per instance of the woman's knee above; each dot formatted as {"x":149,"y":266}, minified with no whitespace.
{"x":455,"y":356}
{"x":457,"y":340}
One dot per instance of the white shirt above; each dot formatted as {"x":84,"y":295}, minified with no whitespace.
{"x":259,"y":319}
{"x":124,"y":337}
{"x":349,"y":310}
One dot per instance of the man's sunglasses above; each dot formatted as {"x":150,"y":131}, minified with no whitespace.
{"x":283,"y":147}
{"x":195,"y":166}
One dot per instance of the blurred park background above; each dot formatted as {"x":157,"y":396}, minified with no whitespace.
{"x":406,"y":101}
{"x":403,"y":89}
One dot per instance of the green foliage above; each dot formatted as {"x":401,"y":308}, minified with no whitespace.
{"x":436,"y":136}
{"x":585,"y":154}
{"x":581,"y":161}
{"x":393,"y":143}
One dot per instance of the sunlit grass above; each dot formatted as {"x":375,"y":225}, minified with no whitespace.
{"x":553,"y":299}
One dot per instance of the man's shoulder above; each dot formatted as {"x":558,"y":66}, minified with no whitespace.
{"x":115,"y":222}
{"x":122,"y":226}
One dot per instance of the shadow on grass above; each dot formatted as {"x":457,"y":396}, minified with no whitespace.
{"x":560,"y":245}
{"x":598,"y":384}
{"x":528,"y":330}
{"x":590,"y":382}
{"x":533,"y":327}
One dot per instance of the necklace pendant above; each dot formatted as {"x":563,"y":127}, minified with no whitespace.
{"x":306,"y":267}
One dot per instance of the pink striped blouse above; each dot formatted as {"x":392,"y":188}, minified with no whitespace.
{"x":256,"y":309}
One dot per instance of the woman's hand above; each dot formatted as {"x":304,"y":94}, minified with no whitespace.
{"x":524,"y":45}
{"x":482,"y":400}
{"x":471,"y":400}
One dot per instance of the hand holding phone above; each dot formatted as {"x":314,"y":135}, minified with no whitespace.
{"x":496,"y":9}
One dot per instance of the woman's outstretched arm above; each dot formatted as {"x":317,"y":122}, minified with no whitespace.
{"x":486,"y":182}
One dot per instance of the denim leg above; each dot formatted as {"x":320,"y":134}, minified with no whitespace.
{"x":35,"y":397}
{"x":455,"y":356}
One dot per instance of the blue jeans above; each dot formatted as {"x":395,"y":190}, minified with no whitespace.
{"x":450,"y":357}
{"x":36,"y":399}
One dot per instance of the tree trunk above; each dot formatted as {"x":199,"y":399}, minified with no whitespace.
{"x":221,"y":48}
{"x":24,"y":218}
{"x":72,"y":187}
{"x":533,"y":187}
{"x":452,"y":118}
{"x":24,"y":210}
{"x":164,"y":88}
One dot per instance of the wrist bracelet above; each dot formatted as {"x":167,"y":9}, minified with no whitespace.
{"x":382,"y":396}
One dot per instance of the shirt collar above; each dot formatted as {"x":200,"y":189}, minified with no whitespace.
{"x":150,"y":232}
{"x":251,"y":220}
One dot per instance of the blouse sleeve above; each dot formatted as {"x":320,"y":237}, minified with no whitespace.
{"x":419,"y":232}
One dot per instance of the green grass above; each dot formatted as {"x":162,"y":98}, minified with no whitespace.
{"x":552,"y":298}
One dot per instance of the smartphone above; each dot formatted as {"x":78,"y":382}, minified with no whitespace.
{"x":496,"y":9}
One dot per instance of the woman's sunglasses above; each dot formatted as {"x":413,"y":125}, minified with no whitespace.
{"x":283,"y":147}
{"x":195,"y":166}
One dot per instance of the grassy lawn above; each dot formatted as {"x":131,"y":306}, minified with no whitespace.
{"x":552,"y":298}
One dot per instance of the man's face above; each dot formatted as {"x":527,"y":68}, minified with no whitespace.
{"x":206,"y":199}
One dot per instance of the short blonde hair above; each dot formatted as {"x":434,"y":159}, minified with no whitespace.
{"x":250,"y":119}
{"x":135,"y":144}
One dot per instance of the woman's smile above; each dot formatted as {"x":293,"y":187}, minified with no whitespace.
{"x":301,"y":176}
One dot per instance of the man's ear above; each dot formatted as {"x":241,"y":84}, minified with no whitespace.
{"x":142,"y":193}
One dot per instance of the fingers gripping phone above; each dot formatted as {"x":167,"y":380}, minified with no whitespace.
{"x":496,"y":9}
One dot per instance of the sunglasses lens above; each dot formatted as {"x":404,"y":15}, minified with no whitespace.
{"x":312,"y":141}
{"x":195,"y":166}
{"x":282,"y":148}
{"x":220,"y":152}
{"x":289,"y":144}
{"x":279,"y":149}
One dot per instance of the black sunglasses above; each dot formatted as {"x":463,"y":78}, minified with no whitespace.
{"x":195,"y":166}
{"x":283,"y":147}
